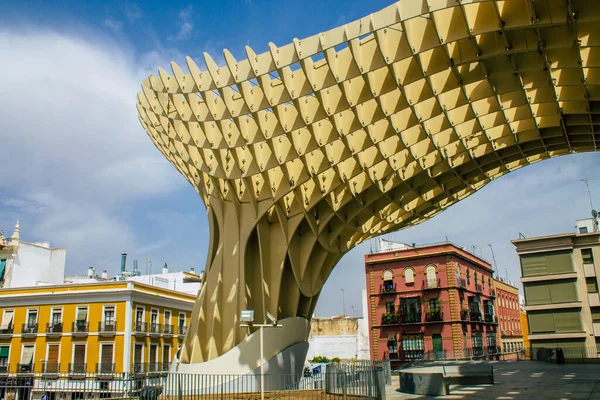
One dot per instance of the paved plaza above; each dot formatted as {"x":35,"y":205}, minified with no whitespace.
{"x":525,"y":380}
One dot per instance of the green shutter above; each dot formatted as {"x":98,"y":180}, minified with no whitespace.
{"x":596,"y":315}
{"x":4,"y":351}
{"x":567,"y":321}
{"x":537,"y":293}
{"x":533,"y":264}
{"x":592,"y":286}
{"x":540,"y":322}
{"x":563,"y":292}
{"x":2,"y":266}
{"x":559,"y":262}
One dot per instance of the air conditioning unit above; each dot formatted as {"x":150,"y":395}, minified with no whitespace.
{"x":504,"y":332}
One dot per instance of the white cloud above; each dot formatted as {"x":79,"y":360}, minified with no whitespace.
{"x":184,"y":25}
{"x":74,"y":154}
{"x":113,"y":24}
{"x":133,"y":12}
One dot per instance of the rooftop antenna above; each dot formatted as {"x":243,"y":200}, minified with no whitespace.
{"x":594,"y":212}
{"x":495,"y":263}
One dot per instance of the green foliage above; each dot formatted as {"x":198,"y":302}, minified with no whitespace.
{"x":320,"y":359}
{"x":335,"y":360}
{"x":389,"y":319}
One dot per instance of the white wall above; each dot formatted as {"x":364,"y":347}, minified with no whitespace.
{"x":37,"y":265}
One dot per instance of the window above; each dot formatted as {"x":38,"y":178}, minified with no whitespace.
{"x":138,"y":357}
{"x":477,"y":343}
{"x":78,"y":358}
{"x":390,"y":308}
{"x":491,"y":342}
{"x":181,"y":320}
{"x":434,"y":305}
{"x":166,"y":357}
{"x":56,"y":316}
{"x":32,"y":316}
{"x":52,"y":356}
{"x":109,"y":315}
{"x":392,"y":345}
{"x":431,"y":276}
{"x":413,"y":347}
{"x":167,"y":317}
{"x":592,"y":285}
{"x":154,"y":317}
{"x":388,"y":281}
{"x":153,"y":357}
{"x":587,"y":255}
{"x":4,"y":352}
{"x":410,"y":309}
{"x":550,"y":292}
{"x":583,"y":229}
{"x":139,"y":315}
{"x":7,"y":321}
{"x":106,"y":358}
{"x":26,"y":362}
{"x":549,"y":263}
{"x":409,"y":275}
{"x":81,"y":324}
{"x":555,"y":321}
{"x":596,"y":314}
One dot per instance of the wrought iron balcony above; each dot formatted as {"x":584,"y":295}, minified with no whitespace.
{"x":431,"y":284}
{"x":166,"y":366}
{"x":139,"y":368}
{"x":25,"y":368}
{"x":80,"y":328}
{"x":389,"y":319}
{"x":6,"y":333}
{"x":411,"y":318}
{"x":387,"y":288}
{"x":490,"y":318}
{"x":51,"y":368}
{"x":155,"y":329}
{"x":29,"y":330}
{"x":182,"y":330}
{"x":4,"y":368}
{"x":474,"y":316}
{"x":105,"y":369}
{"x":107,"y":328}
{"x":168,"y":330}
{"x":434,"y":316}
{"x":154,"y":367}
{"x":464,"y":315}
{"x":77,"y":368}
{"x":140,"y":328}
{"x":54,"y":330}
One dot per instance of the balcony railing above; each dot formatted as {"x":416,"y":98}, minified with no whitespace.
{"x":106,"y":328}
{"x":429,"y":284}
{"x":168,"y":329}
{"x":4,"y":368}
{"x":155,"y":367}
{"x":105,"y":368}
{"x":474,"y":316}
{"x":7,"y":332}
{"x":139,"y":368}
{"x":182,"y":330}
{"x":155,"y":329}
{"x":464,"y":315}
{"x":166,"y":366}
{"x":77,"y":368}
{"x":54,"y":329}
{"x":25,"y":368}
{"x":411,"y":318}
{"x":389,"y":319}
{"x":28,"y":330}
{"x":490,"y":318}
{"x":80,"y":328}
{"x":140,"y":327}
{"x":387,"y":288}
{"x":51,"y":368}
{"x":434,"y":316}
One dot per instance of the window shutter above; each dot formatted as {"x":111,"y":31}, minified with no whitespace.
{"x":153,"y":351}
{"x":537,"y":293}
{"x":388,"y":275}
{"x":79,"y":358}
{"x":559,"y":262}
{"x":563,"y":292}
{"x":107,"y":354}
{"x":596,"y":314}
{"x":7,"y":320}
{"x":542,"y":322}
{"x":27,"y":355}
{"x":533,"y":264}
{"x":567,"y":321}
{"x":4,"y":351}
{"x":138,"y":353}
{"x":592,"y":286}
{"x":82,"y":314}
{"x":166,"y":356}
{"x":52,"y":358}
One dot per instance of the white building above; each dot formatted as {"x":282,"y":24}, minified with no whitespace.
{"x":29,"y":264}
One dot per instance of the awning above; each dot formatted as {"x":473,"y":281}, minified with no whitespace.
{"x":27,"y":355}
{"x":82,"y":314}
{"x":6,"y":320}
{"x":4,"y":351}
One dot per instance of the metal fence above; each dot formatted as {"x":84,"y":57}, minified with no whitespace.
{"x":568,"y":355}
{"x":361,"y":380}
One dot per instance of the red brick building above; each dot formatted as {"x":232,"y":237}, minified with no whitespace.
{"x":431,"y":302}
{"x":508,"y":310}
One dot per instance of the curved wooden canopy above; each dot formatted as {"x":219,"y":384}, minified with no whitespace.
{"x":376,"y":125}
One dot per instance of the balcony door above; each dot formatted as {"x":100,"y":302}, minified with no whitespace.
{"x":78,"y":358}
{"x":438,"y":347}
{"x":106,"y":359}
{"x":138,"y":353}
{"x":153,"y":356}
{"x":52,"y":358}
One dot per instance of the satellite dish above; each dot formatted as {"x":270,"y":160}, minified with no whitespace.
{"x":594,"y":213}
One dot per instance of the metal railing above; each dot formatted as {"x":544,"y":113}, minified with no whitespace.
{"x":568,"y":355}
{"x":411,"y":318}
{"x":431,"y":284}
{"x":105,"y":368}
{"x":390,"y":319}
{"x":434,"y":316}
{"x":80,"y":327}
{"x":141,"y":327}
{"x":358,"y":380}
{"x":490,"y":318}
{"x":387,"y":288}
{"x":51,"y":368}
{"x":475,"y":316}
{"x":182,"y":330}
{"x":155,"y":329}
{"x":77,"y":368}
{"x":107,"y":326}
{"x":7,"y":331}
{"x":25,"y":368}
{"x":168,"y":329}
{"x":29,"y":328}
{"x":54,"y":328}
{"x":4,"y":368}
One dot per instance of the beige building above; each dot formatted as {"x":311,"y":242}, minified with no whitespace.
{"x":559,"y":278}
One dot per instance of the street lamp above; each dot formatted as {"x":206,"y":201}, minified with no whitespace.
{"x":343,"y":302}
{"x":247,"y":319}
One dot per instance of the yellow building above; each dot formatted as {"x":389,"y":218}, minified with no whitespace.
{"x":100,"y":329}
{"x":525,"y":327}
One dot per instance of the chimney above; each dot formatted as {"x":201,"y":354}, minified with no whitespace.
{"x":192,"y":270}
{"x":91,"y":272}
{"x":105,"y":274}
{"x":123,"y":261}
{"x":165,"y":269}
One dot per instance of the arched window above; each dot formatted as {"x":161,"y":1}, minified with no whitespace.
{"x":388,"y":281}
{"x":409,"y":275}
{"x":431,"y":276}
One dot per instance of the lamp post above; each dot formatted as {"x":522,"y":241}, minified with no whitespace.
{"x":343,"y":303}
{"x":247,"y":319}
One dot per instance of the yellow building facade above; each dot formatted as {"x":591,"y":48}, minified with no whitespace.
{"x":101,"y":329}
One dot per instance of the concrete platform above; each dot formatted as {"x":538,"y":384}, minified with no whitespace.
{"x":522,"y":380}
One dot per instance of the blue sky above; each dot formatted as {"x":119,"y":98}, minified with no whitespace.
{"x":79,"y":171}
